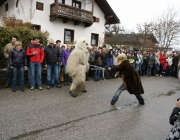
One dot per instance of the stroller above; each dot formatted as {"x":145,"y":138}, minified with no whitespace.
{"x":174,"y":133}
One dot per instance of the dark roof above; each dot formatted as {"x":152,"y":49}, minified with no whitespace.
{"x":1,"y":2}
{"x":108,"y":11}
{"x":131,"y":38}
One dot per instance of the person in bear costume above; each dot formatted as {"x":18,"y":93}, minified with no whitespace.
{"x":77,"y":66}
{"x":131,"y":80}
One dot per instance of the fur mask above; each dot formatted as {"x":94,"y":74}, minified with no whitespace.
{"x":83,"y":44}
{"x":121,"y":58}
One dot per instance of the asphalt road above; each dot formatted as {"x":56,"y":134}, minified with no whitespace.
{"x":55,"y":115}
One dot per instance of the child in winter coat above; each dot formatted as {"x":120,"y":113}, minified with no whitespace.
{"x":174,"y":120}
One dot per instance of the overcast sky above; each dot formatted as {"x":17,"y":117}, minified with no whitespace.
{"x":132,"y":12}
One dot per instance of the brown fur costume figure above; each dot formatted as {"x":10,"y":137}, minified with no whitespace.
{"x":131,"y":80}
{"x":77,"y":66}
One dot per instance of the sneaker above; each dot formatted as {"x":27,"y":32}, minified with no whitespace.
{"x":52,"y":85}
{"x":22,"y":89}
{"x":40,"y":88}
{"x":13,"y":90}
{"x":32,"y":88}
{"x":160,"y":75}
{"x":58,"y":86}
{"x":6,"y":86}
{"x":157,"y":75}
{"x":48,"y":87}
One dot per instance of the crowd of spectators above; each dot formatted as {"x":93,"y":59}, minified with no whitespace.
{"x":147,"y":63}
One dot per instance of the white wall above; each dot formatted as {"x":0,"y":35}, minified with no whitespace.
{"x":56,"y":27}
{"x":88,"y":5}
{"x":11,"y":8}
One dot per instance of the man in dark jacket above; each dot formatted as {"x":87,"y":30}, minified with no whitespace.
{"x":131,"y":80}
{"x":174,"y":65}
{"x":104,"y":62}
{"x":51,"y":60}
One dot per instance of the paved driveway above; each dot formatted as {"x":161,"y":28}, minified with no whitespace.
{"x":54,"y":115}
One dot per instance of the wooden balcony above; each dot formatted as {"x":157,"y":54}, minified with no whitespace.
{"x":69,"y":13}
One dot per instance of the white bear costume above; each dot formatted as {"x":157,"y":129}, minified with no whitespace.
{"x":77,"y":66}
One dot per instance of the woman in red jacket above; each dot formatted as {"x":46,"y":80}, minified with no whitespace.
{"x":162,"y":60}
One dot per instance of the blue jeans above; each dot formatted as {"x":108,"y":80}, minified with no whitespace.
{"x":157,"y":68}
{"x":18,"y":77}
{"x":52,"y":76}
{"x":52,"y":70}
{"x":36,"y":70}
{"x":120,"y":90}
{"x":168,"y":70}
{"x":29,"y":77}
{"x":97,"y":75}
{"x":149,"y":71}
{"x":138,"y":67}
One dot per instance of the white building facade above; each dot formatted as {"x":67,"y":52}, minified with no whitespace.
{"x":65,"y":20}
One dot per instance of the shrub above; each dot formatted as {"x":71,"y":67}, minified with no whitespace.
{"x":24,"y":34}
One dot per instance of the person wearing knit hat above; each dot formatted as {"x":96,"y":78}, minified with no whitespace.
{"x":131,"y":80}
{"x":174,"y":120}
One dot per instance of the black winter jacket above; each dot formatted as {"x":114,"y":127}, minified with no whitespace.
{"x":104,"y":59}
{"x":173,"y":118}
{"x":52,"y":55}
{"x":17,"y":58}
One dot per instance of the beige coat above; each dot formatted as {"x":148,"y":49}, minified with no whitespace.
{"x":7,"y":49}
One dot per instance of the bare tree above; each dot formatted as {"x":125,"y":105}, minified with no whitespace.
{"x":112,"y":31}
{"x":140,"y":38}
{"x":166,"y":29}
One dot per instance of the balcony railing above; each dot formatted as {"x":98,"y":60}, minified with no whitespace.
{"x":69,"y":12}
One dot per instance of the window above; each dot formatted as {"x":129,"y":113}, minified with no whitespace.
{"x":68,"y":36}
{"x":76,"y":4}
{"x":36,"y":27}
{"x":61,"y":1}
{"x":39,"y":6}
{"x":94,"y":39}
{"x":6,"y":7}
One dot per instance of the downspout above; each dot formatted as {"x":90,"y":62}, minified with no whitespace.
{"x":17,"y":2}
{"x":92,"y":7}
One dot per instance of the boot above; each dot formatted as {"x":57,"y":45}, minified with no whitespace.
{"x":106,"y":74}
{"x":155,"y":74}
{"x":87,"y":77}
{"x":65,"y":79}
{"x":109,"y":75}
